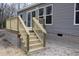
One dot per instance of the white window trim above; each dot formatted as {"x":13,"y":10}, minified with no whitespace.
{"x":75,"y":14}
{"x":49,"y":14}
{"x":44,"y":15}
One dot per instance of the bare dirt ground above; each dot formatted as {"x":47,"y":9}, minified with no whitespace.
{"x":8,"y":49}
{"x":53,"y":48}
{"x":57,"y":48}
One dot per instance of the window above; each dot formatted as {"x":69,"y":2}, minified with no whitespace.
{"x":77,"y":18}
{"x":77,"y":6}
{"x":49,"y":15}
{"x":41,"y":12}
{"x":33,"y":14}
{"x":41,"y":15}
{"x":48,"y":19}
{"x":29,"y":19}
{"x":76,"y":22}
{"x":48,"y":10}
{"x":21,"y":16}
{"x":45,"y":15}
{"x":41,"y":19}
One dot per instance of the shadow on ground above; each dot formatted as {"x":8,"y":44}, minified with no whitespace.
{"x":7,"y":48}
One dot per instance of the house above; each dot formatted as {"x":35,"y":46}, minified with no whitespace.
{"x":60,"y":20}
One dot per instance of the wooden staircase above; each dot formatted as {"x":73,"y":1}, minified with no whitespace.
{"x":34,"y":42}
{"x":31,"y":40}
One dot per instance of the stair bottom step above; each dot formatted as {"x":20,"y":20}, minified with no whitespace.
{"x":36,"y":49}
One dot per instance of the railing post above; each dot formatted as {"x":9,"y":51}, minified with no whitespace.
{"x":32,"y":23}
{"x":44,"y":34}
{"x":27,"y":43}
{"x":10,"y":23}
{"x":44,"y":40}
{"x":19,"y":37}
{"x":17,"y":24}
{"x":44,"y":23}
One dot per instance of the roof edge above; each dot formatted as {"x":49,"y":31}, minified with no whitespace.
{"x":28,"y":7}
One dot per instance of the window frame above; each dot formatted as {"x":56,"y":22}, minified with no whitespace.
{"x":44,"y":14}
{"x":34,"y":15}
{"x":75,"y":14}
{"x":49,"y":14}
{"x":46,"y":8}
{"x":35,"y":11}
{"x":51,"y":20}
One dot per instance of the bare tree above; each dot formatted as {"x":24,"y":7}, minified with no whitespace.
{"x":6,"y":10}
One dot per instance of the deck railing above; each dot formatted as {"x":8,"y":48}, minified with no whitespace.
{"x":23,"y":30}
{"x":39,"y":30}
{"x":17,"y":24}
{"x":12,"y":23}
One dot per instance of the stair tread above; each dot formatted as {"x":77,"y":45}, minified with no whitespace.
{"x":35,"y":44}
{"x":32,"y":32}
{"x":32,"y":39}
{"x":32,"y":35}
{"x":31,"y":50}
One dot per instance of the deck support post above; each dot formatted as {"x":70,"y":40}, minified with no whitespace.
{"x":19,"y":44}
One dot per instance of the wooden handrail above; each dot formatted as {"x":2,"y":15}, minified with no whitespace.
{"x":12,"y":17}
{"x":39,"y":30}
{"x":40,"y":26}
{"x":20,"y":19}
{"x":26,"y":29}
{"x":17,"y":24}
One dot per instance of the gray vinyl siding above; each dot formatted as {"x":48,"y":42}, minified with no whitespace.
{"x":63,"y":20}
{"x":63,"y":23}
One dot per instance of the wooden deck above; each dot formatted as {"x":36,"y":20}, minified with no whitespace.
{"x":37,"y":34}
